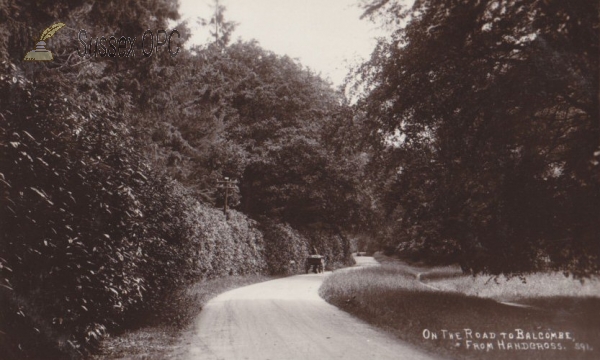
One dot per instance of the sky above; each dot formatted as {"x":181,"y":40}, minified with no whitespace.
{"x":324,"y":35}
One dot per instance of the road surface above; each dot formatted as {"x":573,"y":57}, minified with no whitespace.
{"x":285,"y":319}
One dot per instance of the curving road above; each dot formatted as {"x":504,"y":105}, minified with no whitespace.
{"x":286,"y":319}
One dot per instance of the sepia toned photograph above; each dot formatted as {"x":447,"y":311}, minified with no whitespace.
{"x":299,"y":179}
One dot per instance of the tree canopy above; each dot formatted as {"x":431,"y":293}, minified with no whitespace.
{"x":485,"y":114}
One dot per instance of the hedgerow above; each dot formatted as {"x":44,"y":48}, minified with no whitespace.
{"x":89,"y":232}
{"x":226,"y":247}
{"x":285,"y":248}
{"x":91,"y":237}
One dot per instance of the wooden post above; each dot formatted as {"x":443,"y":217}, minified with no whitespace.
{"x":228,"y":186}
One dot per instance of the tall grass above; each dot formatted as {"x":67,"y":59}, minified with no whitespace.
{"x":392,"y":297}
{"x":520,"y":290}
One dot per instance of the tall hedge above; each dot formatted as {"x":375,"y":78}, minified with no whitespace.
{"x":285,"y":248}
{"x":226,"y":247}
{"x":89,"y":232}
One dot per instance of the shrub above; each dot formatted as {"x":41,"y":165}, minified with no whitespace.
{"x":334,"y":245}
{"x":285,"y":248}
{"x":89,"y":233}
{"x":226,"y":247}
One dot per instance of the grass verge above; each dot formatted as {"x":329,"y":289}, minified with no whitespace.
{"x":159,"y":337}
{"x":392,"y":297}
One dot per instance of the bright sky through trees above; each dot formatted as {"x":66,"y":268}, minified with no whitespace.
{"x":326,"y":36}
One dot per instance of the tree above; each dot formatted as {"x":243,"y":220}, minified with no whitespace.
{"x":264,"y":120}
{"x":222,"y":29}
{"x":494,"y":110}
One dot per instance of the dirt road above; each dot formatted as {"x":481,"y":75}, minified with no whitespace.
{"x":285,"y":319}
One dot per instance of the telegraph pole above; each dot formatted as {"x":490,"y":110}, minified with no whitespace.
{"x":228,"y":185}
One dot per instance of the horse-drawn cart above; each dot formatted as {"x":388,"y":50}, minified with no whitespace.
{"x":316,"y":263}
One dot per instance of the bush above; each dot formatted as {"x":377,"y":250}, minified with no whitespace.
{"x":89,"y":233}
{"x":285,"y":248}
{"x":335,"y":246}
{"x":226,"y":247}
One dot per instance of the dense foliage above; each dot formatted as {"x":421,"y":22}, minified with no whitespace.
{"x":233,"y":247}
{"x":476,"y":140}
{"x":484,"y":115}
{"x":262,"y":119}
{"x":286,"y":248}
{"x":109,"y":169}
{"x":87,"y":227}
